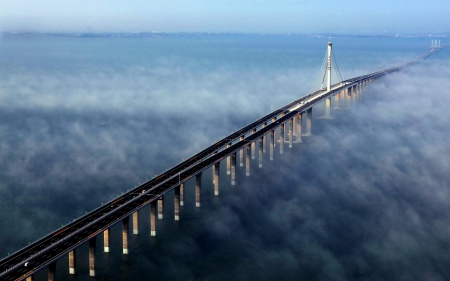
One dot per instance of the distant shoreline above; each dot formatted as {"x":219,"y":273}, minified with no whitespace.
{"x":153,"y":34}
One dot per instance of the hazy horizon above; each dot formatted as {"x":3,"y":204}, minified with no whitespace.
{"x":327,"y":16}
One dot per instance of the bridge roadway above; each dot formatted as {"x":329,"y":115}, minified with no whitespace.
{"x":65,"y":239}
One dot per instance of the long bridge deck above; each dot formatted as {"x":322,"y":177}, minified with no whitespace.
{"x":49,"y":248}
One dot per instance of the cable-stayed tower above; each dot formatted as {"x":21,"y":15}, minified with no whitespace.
{"x":328,"y":71}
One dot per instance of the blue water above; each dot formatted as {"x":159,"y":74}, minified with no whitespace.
{"x":365,"y":198}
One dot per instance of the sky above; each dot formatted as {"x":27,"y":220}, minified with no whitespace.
{"x":305,"y":16}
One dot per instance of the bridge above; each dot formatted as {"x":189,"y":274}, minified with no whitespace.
{"x":45,"y":252}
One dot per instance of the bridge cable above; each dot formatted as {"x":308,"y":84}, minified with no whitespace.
{"x":337,"y":68}
{"x":317,"y":80}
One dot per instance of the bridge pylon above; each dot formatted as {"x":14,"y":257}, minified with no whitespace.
{"x":329,"y":59}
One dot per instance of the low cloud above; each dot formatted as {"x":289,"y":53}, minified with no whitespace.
{"x":366,"y":198}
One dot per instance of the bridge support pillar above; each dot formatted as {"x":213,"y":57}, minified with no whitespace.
{"x":153,"y":218}
{"x":52,"y":271}
{"x":294,"y":134}
{"x":349,"y":97}
{"x":298,"y":128}
{"x":136,"y":222}
{"x":241,"y":155}
{"x":363,"y":84}
{"x":261,"y":141}
{"x":198,"y":189}
{"x":361,"y":88}
{"x":216,"y":177}
{"x":125,"y":235}
{"x":161,"y":207}
{"x":253,"y":146}
{"x":359,"y":92}
{"x":72,"y":261}
{"x":272,"y":143}
{"x":30,"y":278}
{"x":176,"y":203}
{"x":354,"y":94}
{"x":228,"y":162}
{"x":92,"y":245}
{"x":281,"y":137}
{"x":358,"y":87}
{"x":336,"y":100}
{"x":291,"y":131}
{"x":241,"y":158}
{"x":327,"y":109}
{"x":106,"y":240}
{"x":182,"y":194}
{"x":247,"y":161}
{"x":233,"y":168}
{"x":264,"y":138}
{"x":308,"y":122}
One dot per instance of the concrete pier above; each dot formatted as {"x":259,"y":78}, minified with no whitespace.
{"x":161,"y":207}
{"x":233,"y":168}
{"x":349,"y":97}
{"x":291,"y":131}
{"x":176,"y":203}
{"x":72,"y":261}
{"x":198,"y":189}
{"x":298,"y":139}
{"x":260,"y":156}
{"x":216,"y":178}
{"x":272,"y":143}
{"x":361,"y":90}
{"x":125,"y":235}
{"x":182,"y":194}
{"x":228,"y":162}
{"x":106,"y":240}
{"x":241,"y":158}
{"x":281,"y":138}
{"x":253,"y":145}
{"x":30,"y":278}
{"x":295,"y":127}
{"x":336,"y":100}
{"x":264,"y":138}
{"x":241,"y":155}
{"x":247,"y":161}
{"x":51,"y":271}
{"x":92,"y":245}
{"x":308,"y":122}
{"x":358,"y":92}
{"x":136,"y":222}
{"x":327,"y":109}
{"x":153,"y":218}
